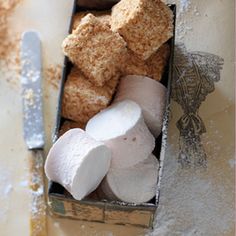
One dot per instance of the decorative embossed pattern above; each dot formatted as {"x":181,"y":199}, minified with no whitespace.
{"x":194,"y":76}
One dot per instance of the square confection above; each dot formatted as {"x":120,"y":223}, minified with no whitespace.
{"x":158,"y":62}
{"x":153,"y":67}
{"x":95,"y":49}
{"x":103,"y":16}
{"x":134,"y":65}
{"x":144,"y":24}
{"x":82,"y":100}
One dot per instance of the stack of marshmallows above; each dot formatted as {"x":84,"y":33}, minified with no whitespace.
{"x":111,"y":150}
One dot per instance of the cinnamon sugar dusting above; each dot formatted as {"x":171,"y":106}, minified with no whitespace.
{"x":10,"y":43}
{"x":53,"y":75}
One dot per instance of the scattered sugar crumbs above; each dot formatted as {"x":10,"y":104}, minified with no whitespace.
{"x":10,"y":44}
{"x":52,"y":75}
{"x":29,"y":97}
{"x":187,"y":11}
{"x":10,"y":50}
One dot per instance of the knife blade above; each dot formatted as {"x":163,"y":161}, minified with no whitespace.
{"x":31,"y":90}
{"x":33,"y":128}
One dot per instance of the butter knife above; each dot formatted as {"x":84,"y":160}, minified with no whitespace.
{"x":33,"y":128}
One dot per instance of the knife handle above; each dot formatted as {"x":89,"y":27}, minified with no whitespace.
{"x":37,"y":184}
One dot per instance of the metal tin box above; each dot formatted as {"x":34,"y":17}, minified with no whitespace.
{"x":62,"y":204}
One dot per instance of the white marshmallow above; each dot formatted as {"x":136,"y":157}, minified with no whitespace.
{"x":149,"y":94}
{"x":135,"y":184}
{"x":122,"y":128}
{"x":77,"y":162}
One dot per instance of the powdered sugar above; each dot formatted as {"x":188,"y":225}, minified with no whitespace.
{"x":194,"y":198}
{"x":184,"y":5}
{"x":5,"y":191}
{"x":187,"y":11}
{"x":8,"y":189}
{"x":24,"y":183}
{"x":5,"y":183}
